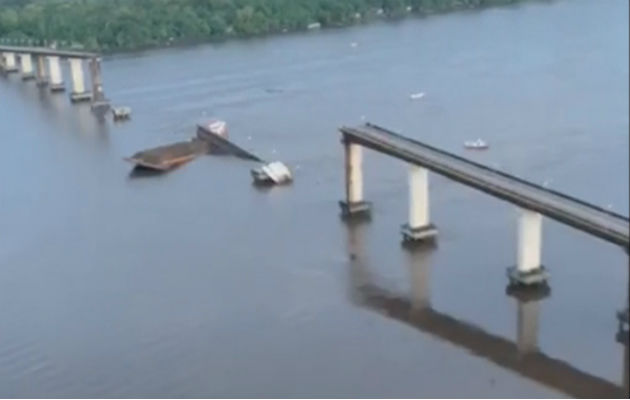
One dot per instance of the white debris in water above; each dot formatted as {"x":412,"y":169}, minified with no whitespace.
{"x":354,"y":44}
{"x":275,"y":172}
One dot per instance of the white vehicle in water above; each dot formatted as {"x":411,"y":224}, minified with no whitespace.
{"x":478,"y":144}
{"x":273,"y":173}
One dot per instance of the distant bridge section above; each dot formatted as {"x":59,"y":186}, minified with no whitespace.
{"x":534,"y":200}
{"x":47,"y":70}
{"x":46,"y":51}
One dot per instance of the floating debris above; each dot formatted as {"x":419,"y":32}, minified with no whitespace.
{"x":215,"y":133}
{"x":274,"y":173}
{"x":416,"y":96}
{"x":121,"y":113}
{"x":478,"y":144}
{"x":164,"y":158}
{"x":354,"y":44}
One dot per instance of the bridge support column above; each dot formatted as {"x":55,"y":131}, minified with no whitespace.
{"x":529,"y":270}
{"x":354,"y":204}
{"x":56,"y":79}
{"x":78,"y":82}
{"x":26,"y":65}
{"x":42,"y":77}
{"x":419,"y":228}
{"x":9,"y":64}
{"x":99,"y":101}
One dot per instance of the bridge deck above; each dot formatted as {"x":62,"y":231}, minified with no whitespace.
{"x":568,"y":210}
{"x":44,"y":51}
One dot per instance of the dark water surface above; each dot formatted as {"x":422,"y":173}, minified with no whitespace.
{"x":197,"y":284}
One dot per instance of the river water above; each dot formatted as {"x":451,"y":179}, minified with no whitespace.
{"x":195,"y":283}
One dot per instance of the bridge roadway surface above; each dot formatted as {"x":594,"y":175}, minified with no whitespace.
{"x":594,"y":220}
{"x":45,"y":51}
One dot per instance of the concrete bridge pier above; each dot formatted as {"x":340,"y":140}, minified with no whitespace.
{"x":9,"y":65}
{"x":529,"y":271}
{"x":42,"y":76}
{"x":419,"y":228}
{"x":26,"y":67}
{"x":354,"y":206}
{"x":56,"y":78}
{"x":79,"y":94}
{"x":99,"y":101}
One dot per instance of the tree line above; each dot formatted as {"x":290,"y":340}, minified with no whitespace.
{"x":109,"y":25}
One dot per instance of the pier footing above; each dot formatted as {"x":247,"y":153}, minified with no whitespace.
{"x":530,"y":293}
{"x":57,"y":88}
{"x":422,"y":234}
{"x":359,"y":209}
{"x":80,"y":97}
{"x":535,"y":277}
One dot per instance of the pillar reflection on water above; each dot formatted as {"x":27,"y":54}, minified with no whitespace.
{"x":527,"y":332}
{"x":622,"y":338}
{"x":521,"y":355}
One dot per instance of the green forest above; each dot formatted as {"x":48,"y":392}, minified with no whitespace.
{"x":110,"y":25}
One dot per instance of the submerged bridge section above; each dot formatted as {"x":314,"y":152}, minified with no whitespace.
{"x":46,"y":70}
{"x":534,"y":200}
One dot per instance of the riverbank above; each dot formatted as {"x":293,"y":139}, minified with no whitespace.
{"x":134,"y":26}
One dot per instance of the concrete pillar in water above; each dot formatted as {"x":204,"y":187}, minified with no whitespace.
{"x":26,"y":66}
{"x":78,"y":82}
{"x":529,"y":270}
{"x":10,"y":64}
{"x":99,"y":101}
{"x":419,"y":228}
{"x":354,"y":204}
{"x":527,"y":330}
{"x":42,"y":76}
{"x":56,"y":79}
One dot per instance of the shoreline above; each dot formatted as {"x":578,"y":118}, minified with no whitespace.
{"x":410,"y":15}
